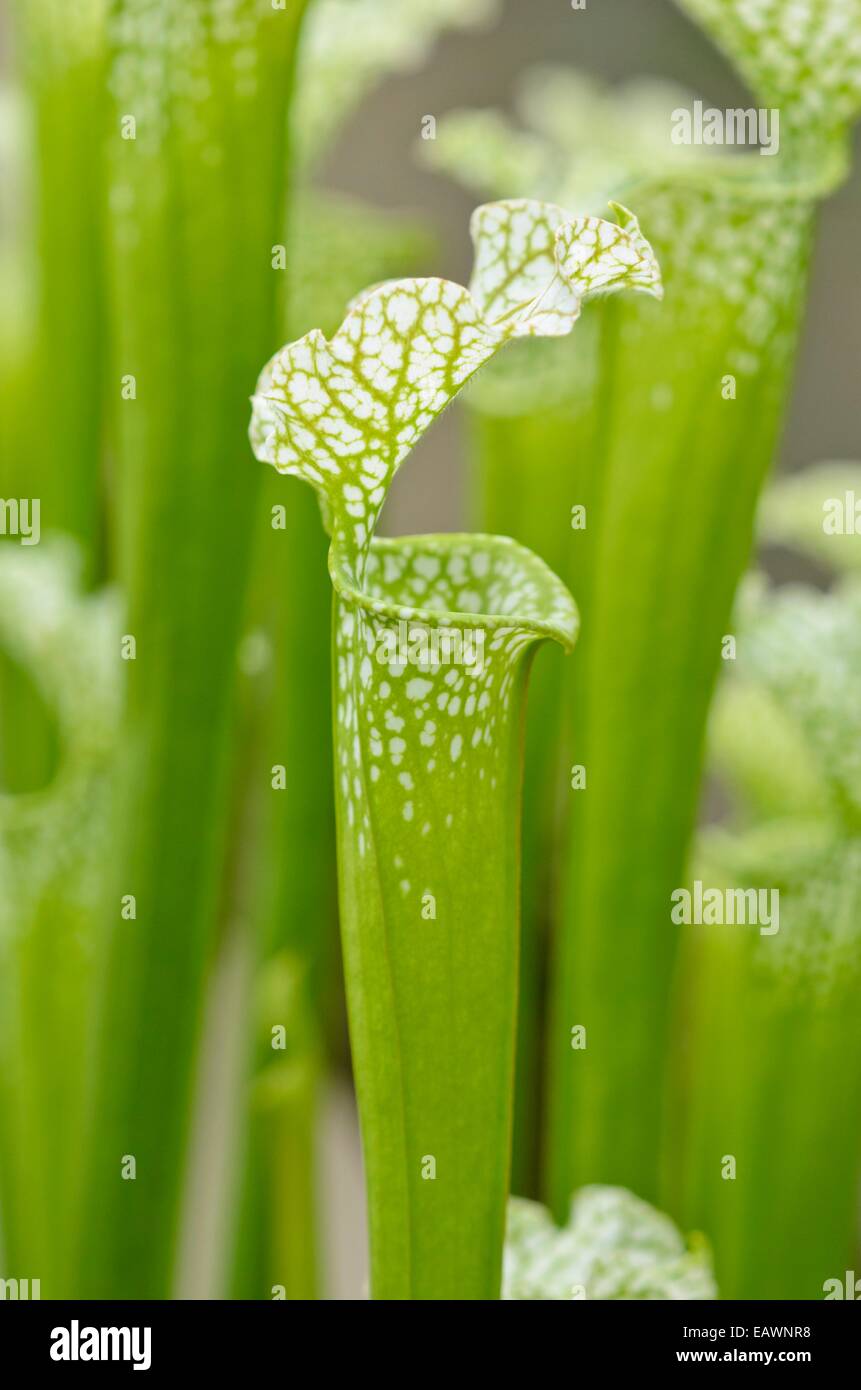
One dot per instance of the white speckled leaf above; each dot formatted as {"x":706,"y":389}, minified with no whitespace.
{"x":730,"y":230}
{"x":344,"y":413}
{"x":614,"y":1246}
{"x":802,"y":56}
{"x":535,"y":264}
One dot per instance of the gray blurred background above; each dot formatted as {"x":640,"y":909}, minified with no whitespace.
{"x":613,"y":39}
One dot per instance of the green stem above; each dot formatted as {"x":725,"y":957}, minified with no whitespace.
{"x":64,"y":60}
{"x":429,"y":890}
{"x":295,"y":900}
{"x":276,"y":1253}
{"x":681,"y":468}
{"x":197,"y":206}
{"x":514,"y":500}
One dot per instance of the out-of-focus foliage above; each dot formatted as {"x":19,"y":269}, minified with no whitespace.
{"x":54,"y":858}
{"x":801,"y":56}
{"x":67,"y":643}
{"x":772,"y":1025}
{"x":804,"y":649}
{"x":796,"y":790}
{"x":350,"y":45}
{"x":818,"y":513}
{"x":339,"y":244}
{"x":577,"y":141}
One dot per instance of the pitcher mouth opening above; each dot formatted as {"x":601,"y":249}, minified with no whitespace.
{"x":549,"y":614}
